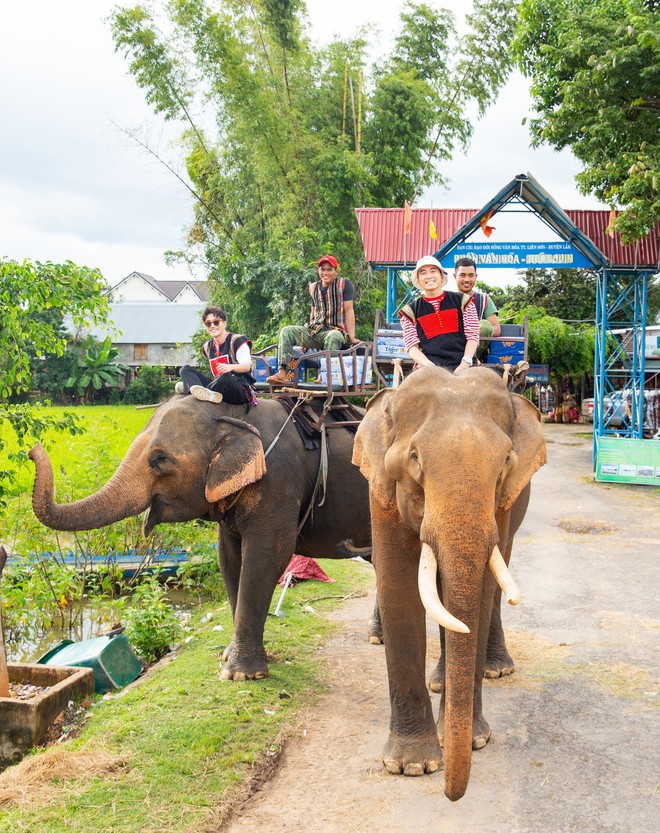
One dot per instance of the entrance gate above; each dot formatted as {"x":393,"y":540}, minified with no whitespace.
{"x":622,"y":278}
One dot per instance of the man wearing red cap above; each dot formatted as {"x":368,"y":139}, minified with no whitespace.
{"x":331,"y":324}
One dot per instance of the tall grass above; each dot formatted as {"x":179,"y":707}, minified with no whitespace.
{"x":109,"y":430}
{"x":40,"y":594}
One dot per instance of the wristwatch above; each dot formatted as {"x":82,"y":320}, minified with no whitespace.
{"x":467,"y":360}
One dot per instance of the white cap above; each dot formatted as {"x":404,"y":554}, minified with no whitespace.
{"x":427,"y":260}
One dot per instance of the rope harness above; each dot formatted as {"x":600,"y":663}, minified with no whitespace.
{"x":313,"y":433}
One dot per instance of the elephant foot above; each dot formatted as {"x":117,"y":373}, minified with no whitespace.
{"x":375,"y":634}
{"x":498,"y":664}
{"x":437,"y":678}
{"x":239,"y":669}
{"x":481,"y":732}
{"x":418,"y":757}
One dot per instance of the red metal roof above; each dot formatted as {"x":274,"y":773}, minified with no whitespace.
{"x":643,"y":254}
{"x":383,"y":238}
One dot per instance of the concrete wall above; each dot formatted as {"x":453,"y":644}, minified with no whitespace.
{"x":167,"y":355}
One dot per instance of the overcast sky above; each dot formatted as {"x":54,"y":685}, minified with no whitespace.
{"x":74,"y":187}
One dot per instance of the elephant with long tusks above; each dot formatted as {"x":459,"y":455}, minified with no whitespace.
{"x":449,"y":460}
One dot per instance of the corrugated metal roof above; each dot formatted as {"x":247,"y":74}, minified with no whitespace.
{"x":383,"y":238}
{"x":643,"y":254}
{"x":153,"y":323}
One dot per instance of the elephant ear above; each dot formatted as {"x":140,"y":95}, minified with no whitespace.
{"x":371,"y":443}
{"x":237,"y":461}
{"x":529,"y":448}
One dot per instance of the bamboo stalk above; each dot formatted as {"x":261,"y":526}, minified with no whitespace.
{"x":4,"y":673}
{"x":343,"y":120}
{"x":355,"y":137}
{"x":359,"y":118}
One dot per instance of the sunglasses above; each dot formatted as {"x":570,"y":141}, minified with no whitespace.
{"x":215,"y":322}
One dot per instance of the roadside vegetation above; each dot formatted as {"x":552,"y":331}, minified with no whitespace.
{"x":42,"y":595}
{"x":183,"y":745}
{"x":187,"y":745}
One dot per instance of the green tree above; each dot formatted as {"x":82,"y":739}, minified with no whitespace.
{"x":567,"y":349}
{"x":26,"y":289}
{"x":150,"y":385}
{"x":296,"y":137}
{"x":595,"y":72}
{"x":568,"y":294}
{"x":49,"y":373}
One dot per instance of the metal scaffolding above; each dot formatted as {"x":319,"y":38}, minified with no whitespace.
{"x":619,"y":359}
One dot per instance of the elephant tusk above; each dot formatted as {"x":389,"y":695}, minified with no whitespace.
{"x":503,"y":577}
{"x":428,"y":591}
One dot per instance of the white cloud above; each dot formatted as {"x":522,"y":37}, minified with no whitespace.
{"x":73,"y":186}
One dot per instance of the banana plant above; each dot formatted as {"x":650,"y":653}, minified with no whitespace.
{"x":94,"y":366}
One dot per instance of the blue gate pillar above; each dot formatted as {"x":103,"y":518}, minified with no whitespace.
{"x":619,"y":355}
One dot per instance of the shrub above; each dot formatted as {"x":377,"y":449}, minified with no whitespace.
{"x":150,"y":385}
{"x":152,"y":627}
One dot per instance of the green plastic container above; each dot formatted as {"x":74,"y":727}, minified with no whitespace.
{"x":111,"y":658}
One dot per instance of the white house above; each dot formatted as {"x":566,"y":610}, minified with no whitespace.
{"x":154,"y":321}
{"x":138,"y":288}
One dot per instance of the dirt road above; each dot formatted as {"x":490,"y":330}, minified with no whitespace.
{"x":575,"y":729}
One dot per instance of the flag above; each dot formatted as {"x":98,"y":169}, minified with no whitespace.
{"x":407,"y":216}
{"x":610,"y":225}
{"x":432,"y":231}
{"x":487,"y":230}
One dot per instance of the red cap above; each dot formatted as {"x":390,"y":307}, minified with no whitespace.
{"x":329,"y":259}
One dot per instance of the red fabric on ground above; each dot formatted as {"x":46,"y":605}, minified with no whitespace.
{"x":303,"y":568}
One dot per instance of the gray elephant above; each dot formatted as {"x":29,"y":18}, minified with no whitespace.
{"x":200,"y":460}
{"x":449,"y":459}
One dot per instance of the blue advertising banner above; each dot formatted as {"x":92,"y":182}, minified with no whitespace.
{"x":539,"y":373}
{"x":557,"y":255}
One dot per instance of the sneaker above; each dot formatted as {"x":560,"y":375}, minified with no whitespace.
{"x":178,"y":388}
{"x":206,"y":395}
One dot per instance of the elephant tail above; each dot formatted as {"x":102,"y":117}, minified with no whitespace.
{"x":346,"y":549}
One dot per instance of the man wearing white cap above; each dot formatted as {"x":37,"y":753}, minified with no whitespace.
{"x":438,"y":329}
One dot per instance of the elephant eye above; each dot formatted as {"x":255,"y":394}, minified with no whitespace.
{"x":160,"y":462}
{"x":415,"y":466}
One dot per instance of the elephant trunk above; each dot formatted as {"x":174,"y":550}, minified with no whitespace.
{"x":459,"y":695}
{"x":461,"y":563}
{"x":127,"y":493}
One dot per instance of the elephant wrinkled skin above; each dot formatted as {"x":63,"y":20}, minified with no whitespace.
{"x":449,"y":459}
{"x":201,"y":460}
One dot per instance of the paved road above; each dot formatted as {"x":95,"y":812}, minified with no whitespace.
{"x":575,"y":729}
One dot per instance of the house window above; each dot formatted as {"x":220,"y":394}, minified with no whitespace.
{"x":140,"y":352}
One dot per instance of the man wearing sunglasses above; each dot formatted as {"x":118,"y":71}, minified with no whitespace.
{"x":230,"y":362}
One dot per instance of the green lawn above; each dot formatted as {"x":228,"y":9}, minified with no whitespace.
{"x":190,"y":740}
